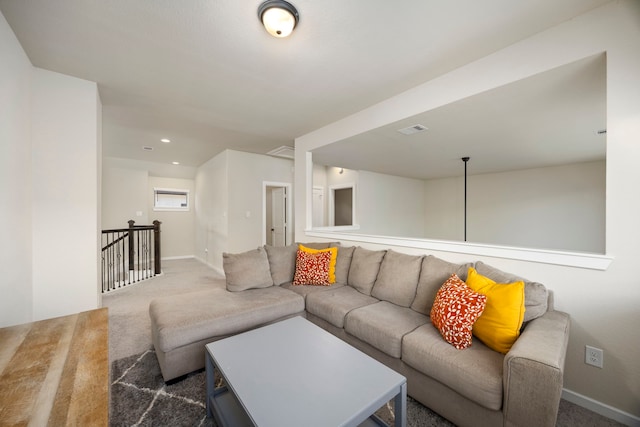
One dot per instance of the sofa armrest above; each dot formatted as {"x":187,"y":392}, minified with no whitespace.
{"x":533,"y":372}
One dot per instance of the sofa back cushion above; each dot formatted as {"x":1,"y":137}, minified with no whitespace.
{"x":345,"y":254}
{"x":536,"y":295}
{"x":364,"y":268}
{"x":434,"y":273}
{"x":398,"y":278}
{"x":317,"y":245}
{"x":282,"y":262}
{"x":247,"y":270}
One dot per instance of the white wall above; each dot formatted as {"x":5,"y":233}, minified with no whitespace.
{"x":212,"y":205}
{"x":559,"y":207}
{"x":66,"y":153}
{"x":127,"y":189}
{"x":390,"y":205}
{"x":15,"y":181}
{"x":177,"y":230}
{"x":124,"y":194}
{"x":603,"y":304}
{"x":51,"y":153}
{"x":229,"y":202}
{"x":247,"y":172}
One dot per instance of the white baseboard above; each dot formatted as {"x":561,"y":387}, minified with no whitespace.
{"x":217,"y":269}
{"x":177,"y":257}
{"x":601,"y":408}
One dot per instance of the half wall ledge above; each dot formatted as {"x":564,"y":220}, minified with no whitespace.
{"x":568,"y":259}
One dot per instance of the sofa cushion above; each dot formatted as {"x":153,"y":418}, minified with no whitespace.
{"x":318,"y":245}
{"x":313,"y":268}
{"x":433,"y":274}
{"x":195,"y":316}
{"x":247,"y":270}
{"x":455,"y":310}
{"x":334,"y":305}
{"x":536,"y":295}
{"x":282,"y":262}
{"x":364,"y":268}
{"x":398,"y":278}
{"x":306,"y":290}
{"x":499,"y":325}
{"x":475,"y":372}
{"x":345,"y":254}
{"x":383,"y":325}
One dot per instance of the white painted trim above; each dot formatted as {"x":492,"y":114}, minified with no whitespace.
{"x":288,"y":235}
{"x":319,"y":189}
{"x":569,"y":259}
{"x":169,"y":258}
{"x":601,"y":408}
{"x":308,"y":169}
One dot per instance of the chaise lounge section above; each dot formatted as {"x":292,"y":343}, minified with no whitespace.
{"x":380,"y":303}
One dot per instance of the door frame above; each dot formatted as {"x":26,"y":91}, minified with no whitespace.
{"x":288,"y":235}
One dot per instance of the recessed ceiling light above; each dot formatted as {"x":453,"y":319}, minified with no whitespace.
{"x":175,"y":163}
{"x":165,"y":140}
{"x":147,"y":148}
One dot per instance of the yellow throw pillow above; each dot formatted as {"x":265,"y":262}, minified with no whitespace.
{"x":499,"y":325}
{"x":332,"y":262}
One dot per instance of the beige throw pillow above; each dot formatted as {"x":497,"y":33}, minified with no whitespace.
{"x":247,"y":270}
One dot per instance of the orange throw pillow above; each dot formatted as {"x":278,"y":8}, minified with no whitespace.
{"x":332,"y":263}
{"x":312,"y":268}
{"x":455,"y":310}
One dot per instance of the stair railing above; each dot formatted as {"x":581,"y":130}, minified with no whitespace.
{"x":130,"y":255}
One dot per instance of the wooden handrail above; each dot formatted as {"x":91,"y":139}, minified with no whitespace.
{"x":115,"y":241}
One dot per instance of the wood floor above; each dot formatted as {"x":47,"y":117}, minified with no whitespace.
{"x":56,"y":371}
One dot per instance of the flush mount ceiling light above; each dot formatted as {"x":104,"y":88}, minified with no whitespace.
{"x":278,"y":17}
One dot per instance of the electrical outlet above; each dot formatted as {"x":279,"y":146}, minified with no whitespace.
{"x":593,"y":356}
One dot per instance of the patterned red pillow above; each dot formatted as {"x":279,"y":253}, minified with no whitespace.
{"x":312,"y":268}
{"x":455,"y":310}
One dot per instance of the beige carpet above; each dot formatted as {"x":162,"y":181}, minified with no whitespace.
{"x":129,"y":323}
{"x":130,"y":335}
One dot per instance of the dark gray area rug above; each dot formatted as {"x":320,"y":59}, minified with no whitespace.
{"x":139,"y":397}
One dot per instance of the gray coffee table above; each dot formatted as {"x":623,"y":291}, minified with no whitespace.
{"x":294,"y":373}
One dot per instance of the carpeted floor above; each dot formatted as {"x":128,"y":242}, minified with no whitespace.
{"x":139,"y":397}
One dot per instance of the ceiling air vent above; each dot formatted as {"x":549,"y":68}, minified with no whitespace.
{"x":284,"y":151}
{"x":412,"y":129}
{"x":147,"y":148}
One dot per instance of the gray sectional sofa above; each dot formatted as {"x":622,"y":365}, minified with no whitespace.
{"x":380,"y":304}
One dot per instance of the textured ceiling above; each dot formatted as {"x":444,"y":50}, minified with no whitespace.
{"x":553,"y":118}
{"x":205,"y":74}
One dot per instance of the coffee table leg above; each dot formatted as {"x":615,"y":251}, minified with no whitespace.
{"x":210,"y":370}
{"x":400,"y":407}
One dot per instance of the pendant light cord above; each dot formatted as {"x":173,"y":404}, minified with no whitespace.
{"x":465,"y":160}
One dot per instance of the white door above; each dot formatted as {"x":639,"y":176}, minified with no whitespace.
{"x":317,"y":219}
{"x":279,"y":216}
